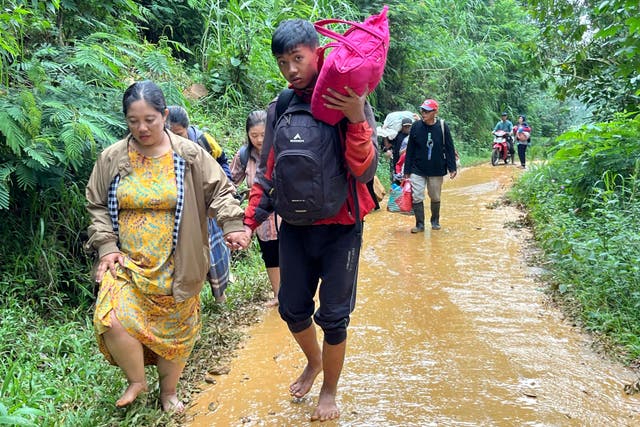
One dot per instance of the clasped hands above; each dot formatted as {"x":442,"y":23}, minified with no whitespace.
{"x":110,"y":262}
{"x":238,"y":240}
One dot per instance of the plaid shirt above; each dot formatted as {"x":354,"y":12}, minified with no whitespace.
{"x":220,"y":258}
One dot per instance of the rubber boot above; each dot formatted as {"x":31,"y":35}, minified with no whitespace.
{"x":435,"y":216}
{"x":418,"y":211}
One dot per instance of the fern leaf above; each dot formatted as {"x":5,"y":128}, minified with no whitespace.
{"x":90,"y":57}
{"x":33,"y":114}
{"x":25,"y":177}
{"x":156,"y":63}
{"x":57,"y":112}
{"x":5,"y":171}
{"x":4,"y":195}
{"x":102,"y":127}
{"x":74,"y":136}
{"x":15,"y":137}
{"x":37,"y":156}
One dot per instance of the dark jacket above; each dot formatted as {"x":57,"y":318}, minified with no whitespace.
{"x":396,"y":143}
{"x":443,"y":154}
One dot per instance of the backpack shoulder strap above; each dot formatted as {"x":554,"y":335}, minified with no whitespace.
{"x":209,"y":143}
{"x":202,"y":142}
{"x":245,"y":153}
{"x":284,"y":99}
{"x":444,"y":140}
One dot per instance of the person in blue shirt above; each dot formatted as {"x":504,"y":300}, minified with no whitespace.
{"x":505,"y":125}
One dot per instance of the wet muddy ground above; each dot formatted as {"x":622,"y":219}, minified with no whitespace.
{"x":451,"y":328}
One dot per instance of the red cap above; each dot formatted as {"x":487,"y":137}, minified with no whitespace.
{"x":429,"y":105}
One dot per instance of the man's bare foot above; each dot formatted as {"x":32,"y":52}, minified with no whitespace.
{"x":171,"y":403}
{"x":327,"y":408}
{"x":273,"y":302}
{"x":130,"y":394}
{"x":300,"y":387}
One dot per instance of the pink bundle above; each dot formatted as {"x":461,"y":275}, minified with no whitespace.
{"x":357,"y":60}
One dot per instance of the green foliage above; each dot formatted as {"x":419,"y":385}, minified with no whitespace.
{"x":593,"y":152}
{"x":585,"y":207}
{"x":63,"y":106}
{"x":475,"y":58}
{"x":593,"y":51}
{"x":52,"y":374}
{"x":42,"y":255}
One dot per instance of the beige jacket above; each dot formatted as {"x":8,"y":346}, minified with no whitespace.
{"x":207,"y":190}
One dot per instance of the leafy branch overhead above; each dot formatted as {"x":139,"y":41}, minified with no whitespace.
{"x":593,"y":51}
{"x":65,"y":65}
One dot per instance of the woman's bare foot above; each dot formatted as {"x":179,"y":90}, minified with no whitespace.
{"x":300,"y":387}
{"x":273,"y":302}
{"x":327,"y":408}
{"x":130,"y":394}
{"x":171,"y":403}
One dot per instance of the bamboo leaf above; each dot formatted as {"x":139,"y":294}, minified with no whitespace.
{"x":14,"y":420}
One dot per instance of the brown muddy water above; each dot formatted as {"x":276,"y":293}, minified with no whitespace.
{"x":451,"y":328}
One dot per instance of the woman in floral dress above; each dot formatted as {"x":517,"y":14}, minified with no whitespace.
{"x":149,"y":197}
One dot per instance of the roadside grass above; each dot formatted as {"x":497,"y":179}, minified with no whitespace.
{"x":584,"y":207}
{"x":52,"y":374}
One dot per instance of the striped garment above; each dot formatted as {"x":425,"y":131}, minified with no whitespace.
{"x":218,"y":275}
{"x":112,"y":199}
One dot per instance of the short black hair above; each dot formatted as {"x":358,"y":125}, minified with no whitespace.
{"x":292,"y":33}
{"x":145,"y":90}
{"x":178,"y":116}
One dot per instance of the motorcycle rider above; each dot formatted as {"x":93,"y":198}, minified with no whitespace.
{"x":505,"y":125}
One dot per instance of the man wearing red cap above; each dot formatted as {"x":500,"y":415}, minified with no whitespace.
{"x":430,"y":155}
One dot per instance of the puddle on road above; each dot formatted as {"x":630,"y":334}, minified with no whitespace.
{"x":450,"y":329}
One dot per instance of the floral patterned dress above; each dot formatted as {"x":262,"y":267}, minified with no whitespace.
{"x":141,"y":296}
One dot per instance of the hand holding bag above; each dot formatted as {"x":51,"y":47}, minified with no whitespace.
{"x":405,"y":203}
{"x":357,"y":60}
{"x":395,"y":197}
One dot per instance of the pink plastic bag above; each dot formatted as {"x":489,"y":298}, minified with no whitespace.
{"x":357,"y":60}
{"x":405,"y":203}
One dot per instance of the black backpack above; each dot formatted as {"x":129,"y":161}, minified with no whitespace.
{"x":309,"y":175}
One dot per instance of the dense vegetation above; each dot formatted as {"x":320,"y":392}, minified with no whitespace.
{"x":584,"y":202}
{"x":65,"y":65}
{"x":585,"y":208}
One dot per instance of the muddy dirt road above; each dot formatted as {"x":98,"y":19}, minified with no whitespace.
{"x":450,"y":329}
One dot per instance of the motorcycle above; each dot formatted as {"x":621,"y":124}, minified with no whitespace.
{"x":501,"y":143}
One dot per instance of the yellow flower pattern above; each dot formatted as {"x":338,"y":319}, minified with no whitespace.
{"x":141,"y":295}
